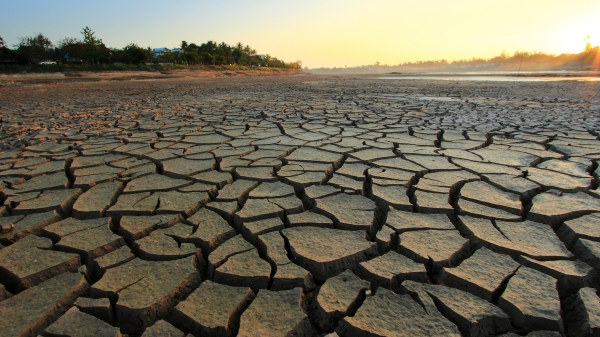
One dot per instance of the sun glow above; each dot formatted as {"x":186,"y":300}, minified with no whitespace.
{"x":332,"y":33}
{"x":572,"y":36}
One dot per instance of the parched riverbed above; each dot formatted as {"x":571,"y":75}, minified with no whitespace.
{"x":300,"y":206}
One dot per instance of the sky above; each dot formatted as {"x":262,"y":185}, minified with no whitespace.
{"x":321,"y":33}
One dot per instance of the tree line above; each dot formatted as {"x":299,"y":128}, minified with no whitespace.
{"x":587,"y":59}
{"x":89,"y":49}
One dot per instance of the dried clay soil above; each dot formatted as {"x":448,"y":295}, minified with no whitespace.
{"x":300,"y":206}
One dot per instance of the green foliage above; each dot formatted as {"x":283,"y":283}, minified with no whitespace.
{"x":91,"y":50}
{"x":208,"y":58}
{"x":191,"y":57}
{"x":6,"y":55}
{"x":89,"y":37}
{"x":69,"y":49}
{"x":68,"y":68}
{"x":131,"y":54}
{"x":34,"y":48}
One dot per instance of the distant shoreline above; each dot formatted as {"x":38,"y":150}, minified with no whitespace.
{"x":457,"y":72}
{"x":548,"y":73}
{"x":69,"y":76}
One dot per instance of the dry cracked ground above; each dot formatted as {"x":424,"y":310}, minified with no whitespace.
{"x":300,"y":206}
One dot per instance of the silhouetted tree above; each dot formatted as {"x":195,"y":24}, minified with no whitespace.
{"x":6,"y":55}
{"x":135,"y":54}
{"x":93,"y":48}
{"x":69,"y":49}
{"x":34,"y":48}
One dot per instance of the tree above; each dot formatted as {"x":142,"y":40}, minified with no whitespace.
{"x":89,"y":37}
{"x":588,"y":45}
{"x":167,"y":57}
{"x":238,"y":53}
{"x":191,"y":57}
{"x":93,"y":48}
{"x":69,"y":49}
{"x":184,"y":44}
{"x":208,"y":58}
{"x":6,"y":54}
{"x":132,"y":53}
{"x":34,"y":48}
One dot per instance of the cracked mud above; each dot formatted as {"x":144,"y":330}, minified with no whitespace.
{"x":300,"y":206}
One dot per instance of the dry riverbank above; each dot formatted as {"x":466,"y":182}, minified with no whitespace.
{"x":99,"y":76}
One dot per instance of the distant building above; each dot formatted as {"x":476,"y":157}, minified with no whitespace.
{"x":261,"y":56}
{"x":160,"y":51}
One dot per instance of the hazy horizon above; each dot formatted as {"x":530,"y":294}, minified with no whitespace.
{"x":322,"y":33}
